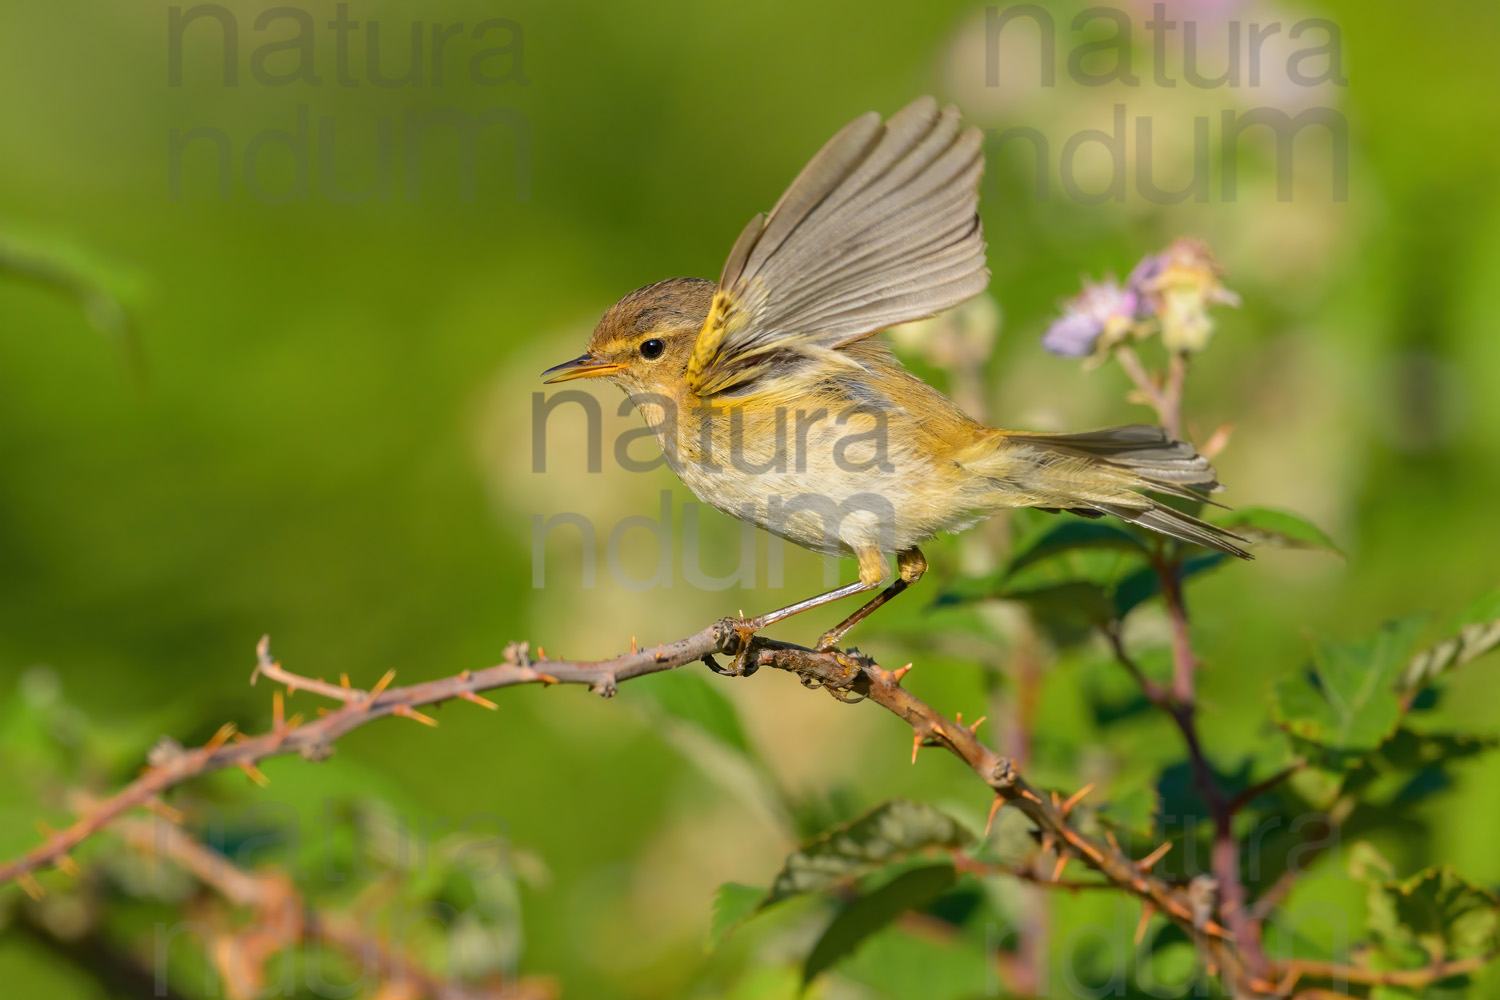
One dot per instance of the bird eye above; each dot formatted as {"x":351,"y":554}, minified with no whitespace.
{"x":651,"y":349}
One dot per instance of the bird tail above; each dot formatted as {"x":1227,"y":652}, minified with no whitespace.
{"x":1110,"y":471}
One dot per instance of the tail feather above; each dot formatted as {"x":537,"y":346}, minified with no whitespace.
{"x":1110,"y":472}
{"x":1142,"y":448}
{"x":1173,"y":522}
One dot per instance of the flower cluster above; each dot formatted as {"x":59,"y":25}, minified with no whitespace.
{"x":1167,"y":293}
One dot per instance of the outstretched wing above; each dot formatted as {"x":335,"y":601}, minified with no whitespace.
{"x":879,"y":228}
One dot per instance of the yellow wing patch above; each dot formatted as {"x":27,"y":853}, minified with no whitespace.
{"x":706,"y":347}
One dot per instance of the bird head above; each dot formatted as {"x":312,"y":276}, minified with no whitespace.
{"x":644,"y":341}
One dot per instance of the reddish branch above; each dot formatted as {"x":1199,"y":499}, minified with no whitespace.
{"x":1179,"y":700}
{"x":847,"y":675}
{"x":314,"y":739}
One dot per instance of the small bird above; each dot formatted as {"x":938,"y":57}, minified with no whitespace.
{"x":773,"y":403}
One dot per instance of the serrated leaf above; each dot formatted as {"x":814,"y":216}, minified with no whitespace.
{"x":1279,"y":529}
{"x":890,"y":832}
{"x":1409,"y":750}
{"x":869,"y":913}
{"x":1071,"y":536}
{"x":1346,"y":700}
{"x":1422,"y":759}
{"x":733,"y":904}
{"x":1477,"y":633}
{"x":1438,"y":912}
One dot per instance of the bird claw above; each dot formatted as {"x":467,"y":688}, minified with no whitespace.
{"x":743,"y":629}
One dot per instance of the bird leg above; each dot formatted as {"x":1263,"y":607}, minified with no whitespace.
{"x":910,"y":565}
{"x":745,"y":628}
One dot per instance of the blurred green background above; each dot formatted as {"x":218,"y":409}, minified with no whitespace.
{"x":330,"y":436}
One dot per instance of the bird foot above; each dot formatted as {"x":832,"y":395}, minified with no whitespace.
{"x":743,"y":631}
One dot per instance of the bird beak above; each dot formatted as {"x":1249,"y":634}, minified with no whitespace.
{"x":582,"y":366}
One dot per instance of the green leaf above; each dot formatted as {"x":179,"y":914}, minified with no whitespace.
{"x":1073,"y":535}
{"x":895,"y":965}
{"x":1132,"y":810}
{"x":1420,"y":762}
{"x":1074,"y":603}
{"x":1478,"y":632}
{"x":1279,"y":529}
{"x":1436,"y":911}
{"x":1346,"y":700}
{"x":733,"y":905}
{"x":869,"y":913}
{"x":1408,"y":750}
{"x":890,"y":832}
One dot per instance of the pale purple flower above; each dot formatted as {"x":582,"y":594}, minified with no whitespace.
{"x":1141,"y":283}
{"x":1168,"y":291}
{"x":1102,"y":308}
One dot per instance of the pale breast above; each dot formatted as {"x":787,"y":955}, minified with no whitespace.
{"x":836,"y":466}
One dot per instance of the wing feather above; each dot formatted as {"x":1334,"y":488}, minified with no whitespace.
{"x":880,"y":227}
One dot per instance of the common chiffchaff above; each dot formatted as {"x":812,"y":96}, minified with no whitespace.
{"x":773,"y":404}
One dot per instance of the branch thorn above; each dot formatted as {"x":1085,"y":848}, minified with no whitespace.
{"x":1148,"y":910}
{"x":994,"y":808}
{"x":166,"y":812}
{"x":254,"y":774}
{"x":1151,"y":859}
{"x":220,"y":737}
{"x":407,"y":712}
{"x":1075,"y":798}
{"x":31,"y":885}
{"x":480,"y":701}
{"x":381,"y":685}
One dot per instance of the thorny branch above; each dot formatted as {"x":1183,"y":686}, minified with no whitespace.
{"x":848,"y":675}
{"x":172,"y":765}
{"x":845,"y":674}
